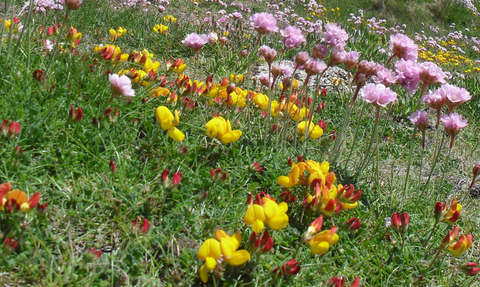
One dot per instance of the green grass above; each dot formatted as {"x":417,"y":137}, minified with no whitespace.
{"x":91,"y":206}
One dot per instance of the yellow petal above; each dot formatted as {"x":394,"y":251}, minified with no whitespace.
{"x":164,"y":116}
{"x":271,"y":209}
{"x":210,"y":263}
{"x":238,"y":258}
{"x":228,"y":248}
{"x":283,"y":207}
{"x":278,"y":222}
{"x":350,"y":205}
{"x":176,"y":134}
{"x":204,"y":273}
{"x":257,"y":226}
{"x":316,"y":133}
{"x":232,"y":136}
{"x":236,"y":239}
{"x":285,"y":182}
{"x":254,"y":212}
{"x":319,"y":248}
{"x":209,"y":248}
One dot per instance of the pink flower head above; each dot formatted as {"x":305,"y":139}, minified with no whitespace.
{"x":351,"y":59}
{"x":337,"y":57}
{"x":403,"y":47}
{"x":269,"y":54}
{"x":378,"y":95}
{"x":292,"y":37}
{"x":320,"y":51}
{"x":385,"y":76}
{"x":335,"y":36}
{"x":121,"y":86}
{"x":195,"y":41}
{"x":435,"y":99}
{"x":301,"y":59}
{"x":420,"y":119}
{"x":430,"y":73}
{"x":453,"y":123}
{"x":72,"y":4}
{"x":264,"y":23}
{"x":313,"y":66}
{"x":454,"y":96}
{"x":408,"y":75}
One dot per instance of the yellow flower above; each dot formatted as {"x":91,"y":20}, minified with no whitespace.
{"x":209,"y":252}
{"x":237,"y":78}
{"x":255,"y":216}
{"x":160,"y":91}
{"x":169,"y":123}
{"x":275,"y":214}
{"x":321,"y":242}
{"x":229,"y":246}
{"x":261,"y":101}
{"x":220,"y":128}
{"x":170,"y":18}
{"x":314,"y":131}
{"x":292,"y":179}
{"x":160,"y":28}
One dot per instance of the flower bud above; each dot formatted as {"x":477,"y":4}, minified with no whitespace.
{"x":113,"y":166}
{"x":352,"y":224}
{"x":470,"y":269}
{"x":301,"y":59}
{"x":73,"y":4}
{"x":92,"y":254}
{"x":243,"y":53}
{"x":320,"y":51}
{"x":291,"y":267}
{"x":38,"y":75}
{"x":164,"y":178}
{"x":476,"y":172}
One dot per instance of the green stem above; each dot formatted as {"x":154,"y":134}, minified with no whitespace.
{"x":431,"y":234}
{"x":55,"y":48}
{"x":367,"y":153}
{"x":433,"y":261}
{"x":410,"y":156}
{"x":439,"y":149}
{"x":355,"y":136}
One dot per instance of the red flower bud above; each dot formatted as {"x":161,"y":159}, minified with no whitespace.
{"x":177,"y":177}
{"x":337,"y":282}
{"x":38,"y":75}
{"x":145,"y":226}
{"x":113,"y":166}
{"x":470,"y":269}
{"x":164,"y":178}
{"x":352,"y":224}
{"x":476,"y":172}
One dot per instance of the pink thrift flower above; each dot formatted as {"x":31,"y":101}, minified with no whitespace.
{"x":430,"y":73}
{"x":313,"y":66}
{"x":403,"y":47}
{"x":454,"y":96}
{"x":301,"y":59}
{"x":72,"y":4}
{"x":264,"y":23}
{"x":337,"y":57}
{"x":408,"y":75}
{"x":385,"y":76}
{"x":195,"y":41}
{"x":453,"y":123}
{"x":292,"y":37}
{"x":420,"y":119}
{"x":121,"y":86}
{"x":351,"y":59}
{"x":267,"y":53}
{"x":320,"y":51}
{"x":378,"y":95}
{"x":335,"y":36}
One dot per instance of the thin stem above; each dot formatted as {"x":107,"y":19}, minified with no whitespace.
{"x":433,"y":261}
{"x":439,"y":149}
{"x":367,"y":153}
{"x":55,"y":48}
{"x":410,"y":156}
{"x":431,"y":234}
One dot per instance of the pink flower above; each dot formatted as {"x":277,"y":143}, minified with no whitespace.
{"x":267,"y":53}
{"x":73,"y":4}
{"x":403,"y":47}
{"x":420,"y":119}
{"x":385,"y":76}
{"x":351,"y":59}
{"x":320,"y":51}
{"x":120,"y":86}
{"x":195,"y":41}
{"x":292,"y":37}
{"x":337,"y":57}
{"x":408,"y":75}
{"x":264,"y":23}
{"x":454,"y":96}
{"x":335,"y":36}
{"x":301,"y":59}
{"x":313,"y":66}
{"x":430,"y":73}
{"x":453,"y":123}
{"x":378,"y":95}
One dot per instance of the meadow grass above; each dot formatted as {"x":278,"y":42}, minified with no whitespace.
{"x":103,"y":174}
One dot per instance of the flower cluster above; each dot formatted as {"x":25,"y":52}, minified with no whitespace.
{"x":169,"y":123}
{"x":216,"y":251}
